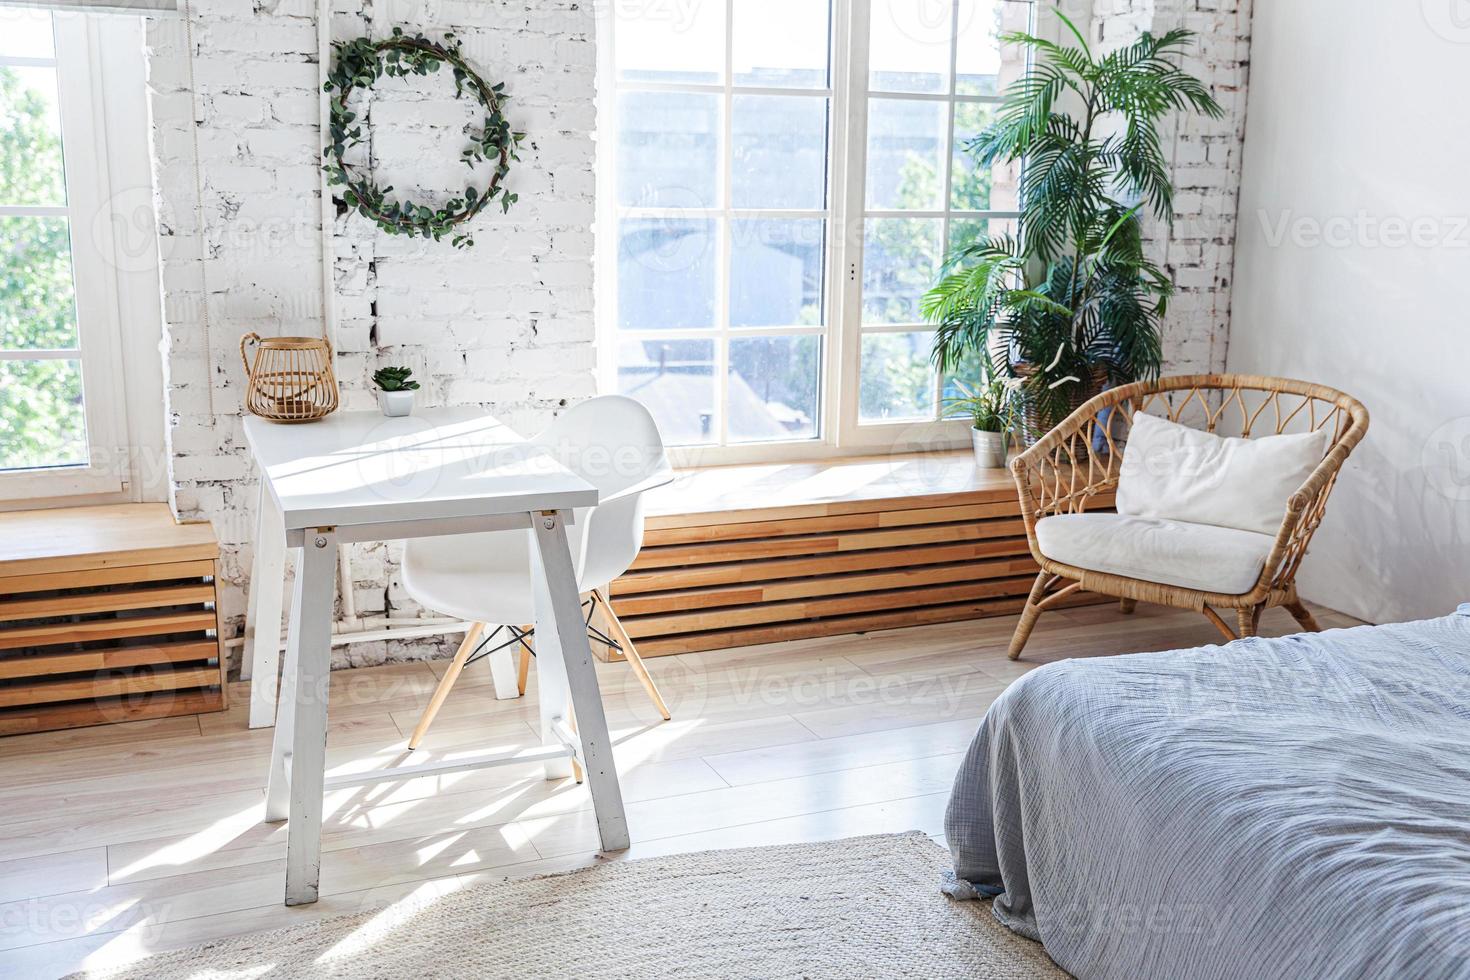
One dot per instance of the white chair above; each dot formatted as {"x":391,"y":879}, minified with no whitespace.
{"x":613,"y":443}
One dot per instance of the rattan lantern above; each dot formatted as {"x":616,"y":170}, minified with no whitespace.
{"x":291,"y":378}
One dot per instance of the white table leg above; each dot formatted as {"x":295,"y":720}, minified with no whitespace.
{"x":278,"y":787}
{"x":565,"y":667}
{"x":503,"y":672}
{"x":261,"y":660}
{"x":316,"y":582}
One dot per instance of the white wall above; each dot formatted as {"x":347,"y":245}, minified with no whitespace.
{"x":1353,"y":270}
{"x":506,"y":325}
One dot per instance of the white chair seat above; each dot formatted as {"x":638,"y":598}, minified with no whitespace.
{"x":1191,"y":556}
{"x":478,"y":577}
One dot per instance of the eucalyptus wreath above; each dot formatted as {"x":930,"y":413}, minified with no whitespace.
{"x":359,"y":64}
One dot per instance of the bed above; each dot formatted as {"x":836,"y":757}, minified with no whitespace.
{"x":1293,"y":807}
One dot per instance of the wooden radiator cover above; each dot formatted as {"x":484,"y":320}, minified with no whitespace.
{"x":106,"y":614}
{"x":742,"y":555}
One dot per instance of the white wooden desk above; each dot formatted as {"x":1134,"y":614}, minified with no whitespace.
{"x":357,"y":476}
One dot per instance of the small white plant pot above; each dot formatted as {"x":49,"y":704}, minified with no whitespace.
{"x":396,"y":404}
{"x":990,"y":448}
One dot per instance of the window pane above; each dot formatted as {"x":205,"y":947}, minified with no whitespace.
{"x":668,"y":149}
{"x":970,"y":370}
{"x":795,"y":56}
{"x":897,"y":380}
{"x":37,"y":306}
{"x":30,"y":134}
{"x":41,"y":418}
{"x":962,"y":231}
{"x":978,"y":55}
{"x":669,"y":42}
{"x":905,"y":154}
{"x":26,"y":33}
{"x":776,"y":272}
{"x":900,"y":261}
{"x":779,"y":147}
{"x":909,"y":45}
{"x":675,"y":380}
{"x":666,"y":273}
{"x":773,"y":388}
{"x":970,"y":183}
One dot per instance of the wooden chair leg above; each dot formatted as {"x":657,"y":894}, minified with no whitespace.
{"x":523,"y":672}
{"x":1029,"y":615}
{"x":1303,"y":616}
{"x":1247,"y":620}
{"x":1126,"y":606}
{"x":1225,"y":631}
{"x":456,"y":666}
{"x":631,"y":653}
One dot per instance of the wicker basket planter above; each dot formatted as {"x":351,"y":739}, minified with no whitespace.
{"x":1035,"y":422}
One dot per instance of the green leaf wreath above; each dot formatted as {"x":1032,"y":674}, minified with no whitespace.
{"x":359,"y":64}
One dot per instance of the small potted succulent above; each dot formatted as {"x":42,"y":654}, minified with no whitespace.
{"x":395,"y":391}
{"x":991,"y":409}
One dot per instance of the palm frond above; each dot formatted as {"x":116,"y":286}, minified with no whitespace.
{"x":1093,"y":297}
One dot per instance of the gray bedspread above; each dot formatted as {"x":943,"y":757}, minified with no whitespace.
{"x":1294,"y":807}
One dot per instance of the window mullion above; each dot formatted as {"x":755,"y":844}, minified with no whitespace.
{"x":727,"y":231}
{"x":948,"y":200}
{"x":848,"y":219}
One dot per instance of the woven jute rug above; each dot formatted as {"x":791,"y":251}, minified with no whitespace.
{"x":861,"y":907}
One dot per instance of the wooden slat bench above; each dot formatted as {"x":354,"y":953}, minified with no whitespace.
{"x":736,"y":555}
{"x":106,"y":614}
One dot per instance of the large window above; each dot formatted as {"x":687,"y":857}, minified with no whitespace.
{"x":62,"y":424}
{"x":780,"y":182}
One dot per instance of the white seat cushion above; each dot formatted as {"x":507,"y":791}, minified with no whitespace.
{"x":1191,"y":556}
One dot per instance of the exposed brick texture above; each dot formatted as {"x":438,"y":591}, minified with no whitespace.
{"x":1199,"y":252}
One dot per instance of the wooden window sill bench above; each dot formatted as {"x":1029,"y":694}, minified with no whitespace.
{"x":107,"y":614}
{"x":737,"y":555}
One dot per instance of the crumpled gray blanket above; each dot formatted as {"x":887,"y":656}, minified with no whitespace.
{"x":1293,"y":807}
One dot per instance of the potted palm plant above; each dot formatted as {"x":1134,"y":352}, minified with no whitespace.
{"x":991,"y":409}
{"x":1073,"y":303}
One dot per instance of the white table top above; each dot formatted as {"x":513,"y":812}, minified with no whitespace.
{"x":362,"y":468}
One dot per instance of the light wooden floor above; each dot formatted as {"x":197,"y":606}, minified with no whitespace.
{"x":146,"y":836}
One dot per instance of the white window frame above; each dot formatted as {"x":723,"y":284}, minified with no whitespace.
{"x":841,"y":432}
{"x":82,"y":98}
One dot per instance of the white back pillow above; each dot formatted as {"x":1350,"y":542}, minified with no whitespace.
{"x":1173,"y":472}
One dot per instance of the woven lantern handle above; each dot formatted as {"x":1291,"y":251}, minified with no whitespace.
{"x":244,"y":342}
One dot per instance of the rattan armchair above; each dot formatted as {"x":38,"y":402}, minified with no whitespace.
{"x":1076,"y":466}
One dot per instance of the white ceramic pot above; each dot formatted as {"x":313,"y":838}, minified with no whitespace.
{"x":396,"y":404}
{"x":990,"y":448}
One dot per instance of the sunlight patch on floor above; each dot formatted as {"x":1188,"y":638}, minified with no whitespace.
{"x":207,"y":841}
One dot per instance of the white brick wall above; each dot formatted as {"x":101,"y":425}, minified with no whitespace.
{"x":1199,"y":252}
{"x":506,"y":325}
